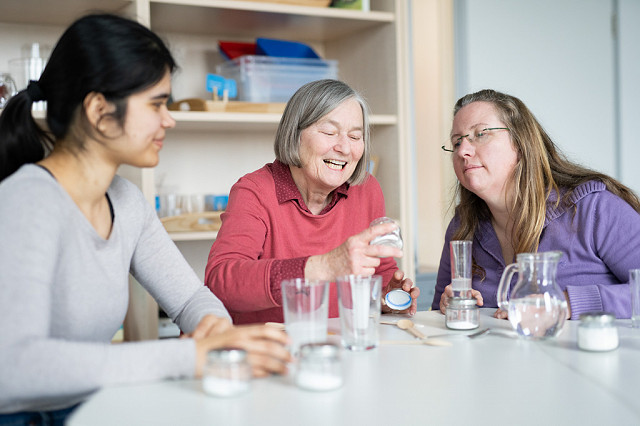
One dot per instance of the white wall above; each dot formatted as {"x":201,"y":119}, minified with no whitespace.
{"x":558,"y":57}
{"x":629,"y":13}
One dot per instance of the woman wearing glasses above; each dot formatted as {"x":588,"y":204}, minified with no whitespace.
{"x":517,"y":193}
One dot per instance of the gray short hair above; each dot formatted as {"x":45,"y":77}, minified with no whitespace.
{"x":308,"y":105}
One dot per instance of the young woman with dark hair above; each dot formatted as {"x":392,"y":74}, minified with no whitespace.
{"x":71,"y":231}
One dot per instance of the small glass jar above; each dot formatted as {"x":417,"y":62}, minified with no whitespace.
{"x":597,"y":332}
{"x":319,"y":367}
{"x":462,"y":314}
{"x":226,"y":373}
{"x":393,"y":239}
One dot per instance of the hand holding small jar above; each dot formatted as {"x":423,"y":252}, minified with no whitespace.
{"x":356,"y":256}
{"x":265,"y":347}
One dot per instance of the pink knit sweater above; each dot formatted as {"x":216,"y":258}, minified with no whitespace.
{"x":268,"y":234}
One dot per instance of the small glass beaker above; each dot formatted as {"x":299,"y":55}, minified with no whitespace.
{"x":319,"y":367}
{"x":462,"y":314}
{"x":227,"y":373}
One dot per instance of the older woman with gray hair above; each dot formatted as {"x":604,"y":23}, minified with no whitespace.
{"x":307,"y":214}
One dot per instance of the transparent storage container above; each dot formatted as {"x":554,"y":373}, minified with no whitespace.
{"x":271,"y":79}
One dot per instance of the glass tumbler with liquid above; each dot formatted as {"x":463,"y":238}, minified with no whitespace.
{"x":461,"y":261}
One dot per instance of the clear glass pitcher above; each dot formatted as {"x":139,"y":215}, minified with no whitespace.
{"x":537,"y":307}
{"x":7,"y":88}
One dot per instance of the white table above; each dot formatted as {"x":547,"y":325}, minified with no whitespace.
{"x":489,"y":380}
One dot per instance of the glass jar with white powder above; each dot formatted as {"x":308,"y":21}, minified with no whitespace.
{"x":597,"y":332}
{"x":319,"y":367}
{"x":462,"y":314}
{"x":393,"y":239}
{"x":227,"y":373}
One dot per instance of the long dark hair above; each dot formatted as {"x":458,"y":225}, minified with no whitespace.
{"x":106,"y":54}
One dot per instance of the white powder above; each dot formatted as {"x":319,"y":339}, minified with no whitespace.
{"x":597,"y":338}
{"x":217,"y":386}
{"x":462,"y":325}
{"x":316,"y":381}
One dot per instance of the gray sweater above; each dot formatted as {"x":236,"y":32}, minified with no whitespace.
{"x":64,"y":293}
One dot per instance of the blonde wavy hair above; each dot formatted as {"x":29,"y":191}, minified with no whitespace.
{"x":541,"y":168}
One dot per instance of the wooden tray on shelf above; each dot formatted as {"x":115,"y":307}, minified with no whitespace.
{"x":193,"y":222}
{"x":195,"y":104}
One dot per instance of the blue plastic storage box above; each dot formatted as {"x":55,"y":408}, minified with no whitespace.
{"x":271,"y":79}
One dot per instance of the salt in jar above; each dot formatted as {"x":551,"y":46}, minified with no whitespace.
{"x":227,"y":373}
{"x":319,"y":367}
{"x":462,"y":314}
{"x":597,"y":332}
{"x":393,"y":239}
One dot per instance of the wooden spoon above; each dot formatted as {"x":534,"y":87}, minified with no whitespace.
{"x":408,"y":325}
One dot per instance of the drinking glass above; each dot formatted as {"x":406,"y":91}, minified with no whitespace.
{"x":634,"y":286}
{"x":306,"y":311}
{"x":359,"y":302}
{"x":461,"y":268}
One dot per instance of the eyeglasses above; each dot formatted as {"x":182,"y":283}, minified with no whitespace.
{"x":479,"y":138}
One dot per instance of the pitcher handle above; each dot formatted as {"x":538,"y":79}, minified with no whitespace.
{"x":503,"y":287}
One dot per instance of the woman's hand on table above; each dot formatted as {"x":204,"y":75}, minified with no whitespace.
{"x":399,"y":281}
{"x":354,"y":256}
{"x":501,"y":314}
{"x":448,"y":294}
{"x":265,"y":347}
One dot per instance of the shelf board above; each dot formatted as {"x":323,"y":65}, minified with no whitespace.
{"x":193,"y":236}
{"x":201,"y":120}
{"x":242,"y":18}
{"x":61,"y":13}
{"x":198,"y":120}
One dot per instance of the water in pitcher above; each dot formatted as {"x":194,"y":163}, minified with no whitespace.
{"x":536,"y":316}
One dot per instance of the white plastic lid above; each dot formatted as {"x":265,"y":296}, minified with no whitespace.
{"x":398,"y":299}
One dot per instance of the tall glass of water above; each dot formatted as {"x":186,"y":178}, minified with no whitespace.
{"x":460,"y":252}
{"x":634,"y":286}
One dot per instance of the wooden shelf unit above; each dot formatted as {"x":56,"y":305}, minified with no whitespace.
{"x":207,"y":152}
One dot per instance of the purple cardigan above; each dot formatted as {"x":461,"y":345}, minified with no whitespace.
{"x":599,"y":244}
